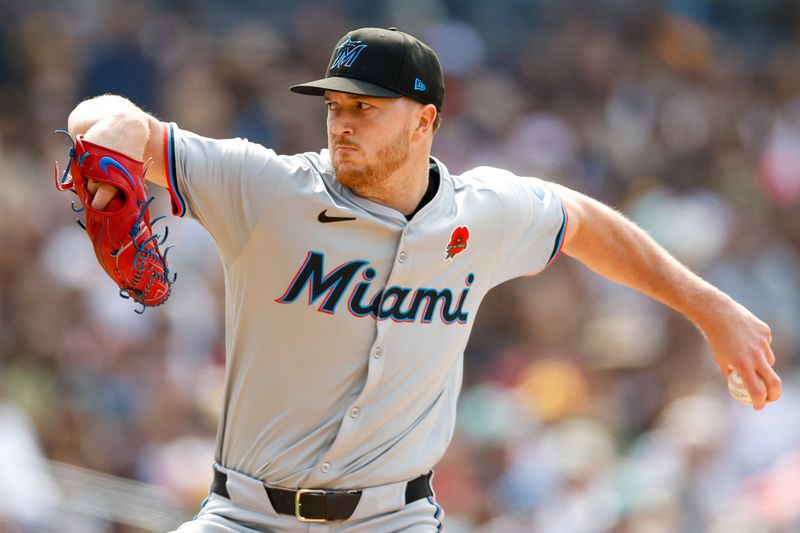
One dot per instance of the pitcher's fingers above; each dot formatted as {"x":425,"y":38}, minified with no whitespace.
{"x":770,"y":356}
{"x":104,"y":195}
{"x":755,"y":387}
{"x":772,"y":381}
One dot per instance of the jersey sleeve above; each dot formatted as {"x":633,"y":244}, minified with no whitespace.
{"x":534,"y":224}
{"x":224,"y":184}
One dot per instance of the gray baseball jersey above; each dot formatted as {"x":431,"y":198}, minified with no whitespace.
{"x":346,"y":323}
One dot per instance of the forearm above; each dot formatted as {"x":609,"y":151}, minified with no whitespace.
{"x":612,"y":246}
{"x":115,"y":122}
{"x":111,"y":121}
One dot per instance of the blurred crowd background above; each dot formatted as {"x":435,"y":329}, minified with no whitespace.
{"x":586,"y":408}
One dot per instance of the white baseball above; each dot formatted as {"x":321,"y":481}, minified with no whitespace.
{"x":737,"y":389}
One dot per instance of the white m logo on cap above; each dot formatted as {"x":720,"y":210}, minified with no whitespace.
{"x":347,"y":53}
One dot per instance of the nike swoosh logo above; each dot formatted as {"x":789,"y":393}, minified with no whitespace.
{"x":325,"y":218}
{"x":105,"y":161}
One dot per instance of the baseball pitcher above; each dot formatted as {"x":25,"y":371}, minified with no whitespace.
{"x":353,"y":275}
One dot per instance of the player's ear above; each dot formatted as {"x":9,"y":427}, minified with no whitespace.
{"x":426,"y":116}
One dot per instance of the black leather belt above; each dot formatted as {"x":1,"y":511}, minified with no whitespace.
{"x":321,"y":505}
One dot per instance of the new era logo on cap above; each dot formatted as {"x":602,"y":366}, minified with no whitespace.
{"x":386,"y":63}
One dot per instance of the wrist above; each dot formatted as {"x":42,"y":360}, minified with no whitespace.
{"x":708,"y":308}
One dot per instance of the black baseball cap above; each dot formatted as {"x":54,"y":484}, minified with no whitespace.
{"x":381,"y":62}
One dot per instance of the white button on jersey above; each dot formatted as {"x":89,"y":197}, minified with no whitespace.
{"x":377,"y":353}
{"x":354,"y":412}
{"x":407,"y":232}
{"x":326,"y":467}
{"x":402,"y":257}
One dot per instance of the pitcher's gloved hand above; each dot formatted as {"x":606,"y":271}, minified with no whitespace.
{"x":121,"y":230}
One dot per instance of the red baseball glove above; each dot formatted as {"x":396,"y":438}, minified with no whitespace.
{"x":122,"y":234}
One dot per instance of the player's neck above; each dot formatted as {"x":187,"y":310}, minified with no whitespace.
{"x":403,"y":189}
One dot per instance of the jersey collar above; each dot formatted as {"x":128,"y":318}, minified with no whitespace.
{"x":442,"y":200}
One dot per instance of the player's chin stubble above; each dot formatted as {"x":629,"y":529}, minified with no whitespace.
{"x":389,"y":159}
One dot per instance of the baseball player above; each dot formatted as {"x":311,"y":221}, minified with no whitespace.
{"x":353,"y":275}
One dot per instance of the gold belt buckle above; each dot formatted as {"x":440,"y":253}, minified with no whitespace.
{"x":297,"y":496}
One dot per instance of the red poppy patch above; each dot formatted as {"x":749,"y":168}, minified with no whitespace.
{"x":458,"y":242}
